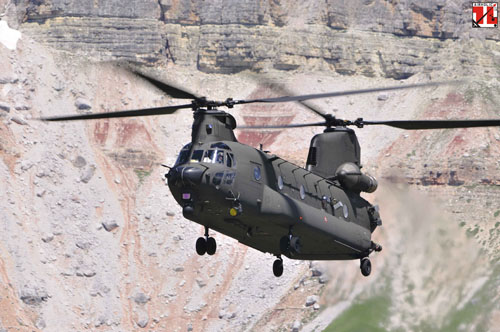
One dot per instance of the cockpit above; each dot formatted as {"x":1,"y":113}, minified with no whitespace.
{"x":218,"y":153}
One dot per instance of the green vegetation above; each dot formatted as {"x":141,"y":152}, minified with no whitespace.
{"x":412,"y":154}
{"x":366,"y":315}
{"x":142,"y":174}
{"x":371,"y":314}
{"x":476,"y":311}
{"x":471,"y":232}
{"x":496,"y":214}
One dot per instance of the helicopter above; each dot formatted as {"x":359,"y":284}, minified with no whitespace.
{"x":266,"y":202}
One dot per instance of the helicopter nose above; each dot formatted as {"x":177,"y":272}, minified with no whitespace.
{"x":192,"y":175}
{"x":188,"y":175}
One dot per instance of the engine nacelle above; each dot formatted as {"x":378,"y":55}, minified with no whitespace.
{"x":351,"y":178}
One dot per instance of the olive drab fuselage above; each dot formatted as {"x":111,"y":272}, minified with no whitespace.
{"x":258,"y":198}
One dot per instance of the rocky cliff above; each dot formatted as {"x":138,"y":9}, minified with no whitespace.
{"x":227,"y":37}
{"x":93,"y":240}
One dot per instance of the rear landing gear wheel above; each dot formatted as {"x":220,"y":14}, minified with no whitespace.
{"x":211,"y":246}
{"x":278,"y":267}
{"x":201,"y":246}
{"x":366,"y":266}
{"x":285,"y":244}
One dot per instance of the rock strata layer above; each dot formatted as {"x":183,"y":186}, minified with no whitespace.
{"x":227,"y":36}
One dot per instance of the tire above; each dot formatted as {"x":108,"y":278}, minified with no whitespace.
{"x":295,"y":245}
{"x":278,"y":268}
{"x":211,"y":246}
{"x":366,"y":267}
{"x":201,"y":246}
{"x":285,"y":245}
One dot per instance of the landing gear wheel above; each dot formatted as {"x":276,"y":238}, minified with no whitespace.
{"x":295,"y":245}
{"x":366,"y":266}
{"x":278,"y":267}
{"x":285,"y":245}
{"x":211,"y":246}
{"x":201,"y":246}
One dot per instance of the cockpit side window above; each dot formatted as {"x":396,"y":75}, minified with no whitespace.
{"x":230,"y":161}
{"x":183,"y":155}
{"x":196,"y":156}
{"x":234,"y":159}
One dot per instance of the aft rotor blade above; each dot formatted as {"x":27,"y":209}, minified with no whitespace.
{"x":316,"y":124}
{"x":434,"y":124}
{"x":340,"y":93}
{"x":119,"y":114}
{"x":169,"y":89}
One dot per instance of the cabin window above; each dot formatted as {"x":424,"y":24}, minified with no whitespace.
{"x":280,"y":183}
{"x":256,"y":173}
{"x":302,"y":192}
{"x":197,"y":155}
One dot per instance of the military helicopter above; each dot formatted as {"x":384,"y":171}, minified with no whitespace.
{"x":266,"y":202}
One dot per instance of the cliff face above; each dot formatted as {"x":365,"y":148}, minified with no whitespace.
{"x":227,"y":37}
{"x":93,"y":240}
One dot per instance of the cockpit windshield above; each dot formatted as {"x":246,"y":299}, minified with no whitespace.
{"x":214,"y":156}
{"x":196,"y":156}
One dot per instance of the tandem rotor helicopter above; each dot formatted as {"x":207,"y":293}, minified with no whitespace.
{"x":266,"y":202}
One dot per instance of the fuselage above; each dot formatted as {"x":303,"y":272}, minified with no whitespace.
{"x":257,"y":198}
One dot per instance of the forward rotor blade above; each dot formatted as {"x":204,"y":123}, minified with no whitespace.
{"x":282,"y":89}
{"x":313,"y":109}
{"x":169,"y":89}
{"x":285,"y":90}
{"x":339,"y":93}
{"x":316,"y":124}
{"x":435,"y":124}
{"x":119,"y":114}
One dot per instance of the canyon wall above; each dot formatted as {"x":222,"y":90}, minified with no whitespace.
{"x":93,"y":240}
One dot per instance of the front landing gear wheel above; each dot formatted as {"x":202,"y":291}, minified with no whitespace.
{"x":366,"y":266}
{"x":278,"y":267}
{"x":201,"y":246}
{"x":211,"y":246}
